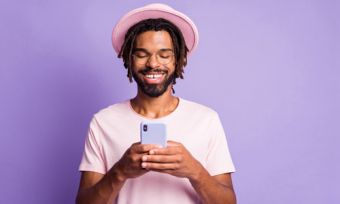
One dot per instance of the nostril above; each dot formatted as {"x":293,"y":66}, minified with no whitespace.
{"x":153,"y":64}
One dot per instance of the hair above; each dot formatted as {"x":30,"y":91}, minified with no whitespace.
{"x":159,"y":24}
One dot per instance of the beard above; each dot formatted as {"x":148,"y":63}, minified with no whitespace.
{"x":153,"y":90}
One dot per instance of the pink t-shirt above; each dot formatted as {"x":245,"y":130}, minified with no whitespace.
{"x":113,"y":130}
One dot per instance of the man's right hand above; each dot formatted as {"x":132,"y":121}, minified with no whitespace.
{"x":129,"y":166}
{"x":99,"y":188}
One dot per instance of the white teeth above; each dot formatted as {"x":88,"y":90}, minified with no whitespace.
{"x":153,"y":76}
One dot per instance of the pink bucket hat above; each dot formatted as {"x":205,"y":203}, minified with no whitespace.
{"x":157,"y":10}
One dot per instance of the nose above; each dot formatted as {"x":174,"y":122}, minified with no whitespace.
{"x":153,"y":62}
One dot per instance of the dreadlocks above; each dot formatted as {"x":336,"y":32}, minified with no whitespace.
{"x":180,"y":49}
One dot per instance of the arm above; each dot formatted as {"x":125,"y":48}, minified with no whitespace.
{"x":177,"y":161}
{"x":96,"y":188}
{"x":214,"y":189}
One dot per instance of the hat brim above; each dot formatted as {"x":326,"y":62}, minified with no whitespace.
{"x":184,"y":23}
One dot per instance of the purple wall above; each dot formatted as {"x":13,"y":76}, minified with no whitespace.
{"x":270,"y":68}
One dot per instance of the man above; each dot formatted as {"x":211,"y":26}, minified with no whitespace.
{"x":195,"y":165}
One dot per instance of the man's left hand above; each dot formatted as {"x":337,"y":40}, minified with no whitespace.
{"x":175,"y":159}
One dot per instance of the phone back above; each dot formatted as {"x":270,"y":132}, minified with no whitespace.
{"x":153,"y":133}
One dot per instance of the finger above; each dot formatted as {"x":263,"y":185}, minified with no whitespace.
{"x":136,"y":143}
{"x":160,"y":166}
{"x":143,"y":148}
{"x":166,"y":151}
{"x":162,"y":158}
{"x":172,"y":143}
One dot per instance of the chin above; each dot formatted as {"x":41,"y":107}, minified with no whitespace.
{"x":153,"y":89}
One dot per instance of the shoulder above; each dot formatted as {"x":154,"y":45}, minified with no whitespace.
{"x":113,"y":111}
{"x":191,"y":107}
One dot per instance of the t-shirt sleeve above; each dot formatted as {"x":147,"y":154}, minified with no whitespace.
{"x":92,"y":159}
{"x":218,"y":159}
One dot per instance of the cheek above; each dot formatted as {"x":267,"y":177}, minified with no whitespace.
{"x":172,"y":67}
{"x":134,"y":65}
{"x":135,"y":68}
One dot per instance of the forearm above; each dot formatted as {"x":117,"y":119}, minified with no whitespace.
{"x":211,"y":191}
{"x":103,"y":192}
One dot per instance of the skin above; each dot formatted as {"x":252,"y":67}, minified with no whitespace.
{"x":175,"y":159}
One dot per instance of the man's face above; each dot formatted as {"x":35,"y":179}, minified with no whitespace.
{"x":153,"y":62}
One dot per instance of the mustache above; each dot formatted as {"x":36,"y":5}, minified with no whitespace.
{"x":148,"y":69}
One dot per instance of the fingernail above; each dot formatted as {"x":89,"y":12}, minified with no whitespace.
{"x":144,"y":158}
{"x":143,"y":165}
{"x":151,"y":152}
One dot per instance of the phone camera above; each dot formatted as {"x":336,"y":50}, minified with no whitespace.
{"x":145,"y":128}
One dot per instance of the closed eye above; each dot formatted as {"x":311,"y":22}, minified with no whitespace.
{"x":141,"y":54}
{"x":165,"y":54}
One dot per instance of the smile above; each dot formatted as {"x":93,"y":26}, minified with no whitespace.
{"x":153,"y":76}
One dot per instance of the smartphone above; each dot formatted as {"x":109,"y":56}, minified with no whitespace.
{"x":153,"y":133}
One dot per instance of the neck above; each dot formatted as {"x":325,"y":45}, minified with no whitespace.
{"x":155,"y":107}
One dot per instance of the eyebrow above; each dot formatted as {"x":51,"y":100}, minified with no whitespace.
{"x":145,"y":50}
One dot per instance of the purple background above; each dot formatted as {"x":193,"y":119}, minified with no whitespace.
{"x":270,"y":68}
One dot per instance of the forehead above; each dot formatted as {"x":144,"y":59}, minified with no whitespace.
{"x":154,"y":40}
